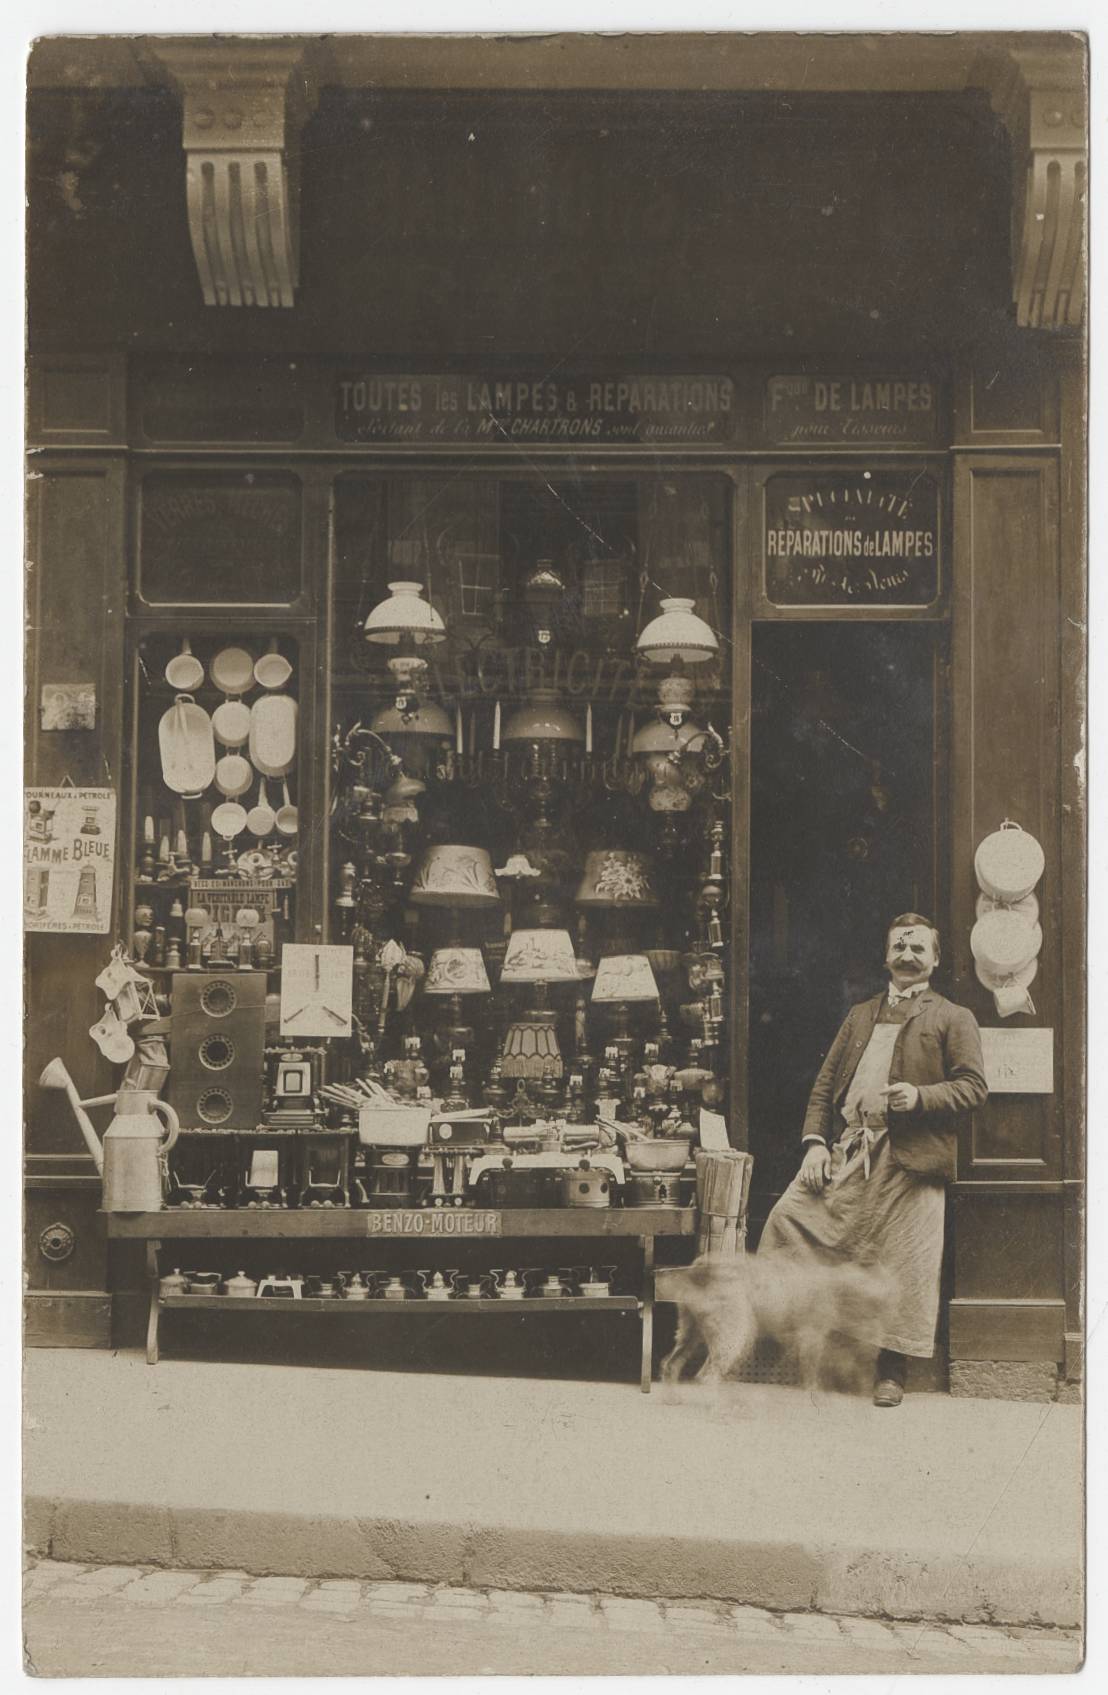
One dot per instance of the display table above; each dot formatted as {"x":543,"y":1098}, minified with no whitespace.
{"x":446,"y":1225}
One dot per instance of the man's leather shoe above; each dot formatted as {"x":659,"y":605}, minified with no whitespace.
{"x":887,"y":1392}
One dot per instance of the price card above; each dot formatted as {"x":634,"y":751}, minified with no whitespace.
{"x":317,"y":990}
{"x":1019,"y":1062}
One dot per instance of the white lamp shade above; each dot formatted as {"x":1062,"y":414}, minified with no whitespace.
{"x":429,"y":719}
{"x":677,"y":633}
{"x":540,"y":956}
{"x":404,"y":615}
{"x":457,"y":971}
{"x":624,"y":977}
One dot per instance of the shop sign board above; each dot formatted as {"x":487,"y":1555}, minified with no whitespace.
{"x":68,"y":860}
{"x":413,"y":410}
{"x":829,"y":411}
{"x":463,"y":1221}
{"x":852,"y":538}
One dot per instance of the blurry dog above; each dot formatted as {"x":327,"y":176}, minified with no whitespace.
{"x":826,"y":1319}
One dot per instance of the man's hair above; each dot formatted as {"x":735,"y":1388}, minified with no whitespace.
{"x":912,"y":921}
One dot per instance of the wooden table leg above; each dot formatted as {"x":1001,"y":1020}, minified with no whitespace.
{"x":155,"y":1309}
{"x":647,"y":1313}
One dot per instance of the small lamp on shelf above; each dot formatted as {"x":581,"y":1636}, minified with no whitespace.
{"x":536,"y":957}
{"x":623,"y":980}
{"x":457,"y":971}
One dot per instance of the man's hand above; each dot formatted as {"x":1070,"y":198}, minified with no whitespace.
{"x":901,"y":1097}
{"x":815,"y":1171}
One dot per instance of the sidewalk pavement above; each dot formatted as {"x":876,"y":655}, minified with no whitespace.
{"x":764,"y":1496}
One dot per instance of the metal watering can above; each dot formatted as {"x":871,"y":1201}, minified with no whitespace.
{"x":131,"y":1159}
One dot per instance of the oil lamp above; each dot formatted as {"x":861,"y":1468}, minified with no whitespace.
{"x":407,"y":621}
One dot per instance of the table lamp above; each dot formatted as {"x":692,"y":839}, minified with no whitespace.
{"x":624,"y":979}
{"x":457,"y":971}
{"x":537,"y":957}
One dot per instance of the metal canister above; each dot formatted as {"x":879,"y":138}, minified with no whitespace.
{"x":173,"y":1283}
{"x":654,"y":1188}
{"x":240,"y":1287}
{"x":586,"y":1187}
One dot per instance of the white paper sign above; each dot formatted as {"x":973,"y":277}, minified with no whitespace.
{"x":68,"y":860}
{"x":713,"y":1131}
{"x":1019,"y":1062}
{"x":317,"y":990}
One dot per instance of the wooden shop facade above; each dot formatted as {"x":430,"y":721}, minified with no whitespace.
{"x":553,"y":355}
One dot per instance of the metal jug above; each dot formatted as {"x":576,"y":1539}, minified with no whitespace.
{"x":131,"y":1159}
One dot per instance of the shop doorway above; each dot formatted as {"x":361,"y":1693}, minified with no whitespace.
{"x":843,"y":827}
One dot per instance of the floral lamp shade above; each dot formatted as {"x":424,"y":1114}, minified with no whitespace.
{"x":624,"y":977}
{"x":455,"y":875}
{"x":617,"y":877}
{"x":540,"y":956}
{"x":457,"y":971}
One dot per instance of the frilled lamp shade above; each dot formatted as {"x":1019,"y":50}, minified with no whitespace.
{"x":542,"y":719}
{"x":539,"y":956}
{"x":404,"y":616}
{"x":624,"y":977}
{"x":616,"y":877}
{"x":677,"y":633}
{"x":457,"y":971}
{"x":453,"y":875}
{"x":531,"y":1043}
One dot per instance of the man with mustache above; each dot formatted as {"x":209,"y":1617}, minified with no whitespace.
{"x":880,"y":1139}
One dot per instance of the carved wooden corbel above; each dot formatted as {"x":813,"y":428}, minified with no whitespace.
{"x":1041,"y":96}
{"x":243,"y":112}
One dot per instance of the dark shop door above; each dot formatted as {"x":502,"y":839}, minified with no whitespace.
{"x":843,"y":831}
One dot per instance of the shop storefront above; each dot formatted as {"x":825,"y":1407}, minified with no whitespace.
{"x":637,"y":552}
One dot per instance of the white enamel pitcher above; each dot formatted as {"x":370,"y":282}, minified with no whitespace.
{"x":131,"y":1159}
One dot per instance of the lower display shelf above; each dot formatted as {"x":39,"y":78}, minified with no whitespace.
{"x":378,"y":1308}
{"x":445,"y":1226}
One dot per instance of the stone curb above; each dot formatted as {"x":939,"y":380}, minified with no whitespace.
{"x":784,"y":1577}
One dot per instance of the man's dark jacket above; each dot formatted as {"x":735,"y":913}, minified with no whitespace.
{"x":939,"y":1050}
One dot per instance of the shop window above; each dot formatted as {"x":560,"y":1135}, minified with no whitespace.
{"x":220,"y":539}
{"x":525,"y":800}
{"x":217,"y":822}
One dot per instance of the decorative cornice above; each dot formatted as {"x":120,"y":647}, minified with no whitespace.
{"x":1041,"y":96}
{"x":243,"y":113}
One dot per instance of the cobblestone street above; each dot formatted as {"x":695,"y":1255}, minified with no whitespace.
{"x":136,"y":1621}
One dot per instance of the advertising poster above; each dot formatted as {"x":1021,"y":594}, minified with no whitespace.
{"x":68,"y":860}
